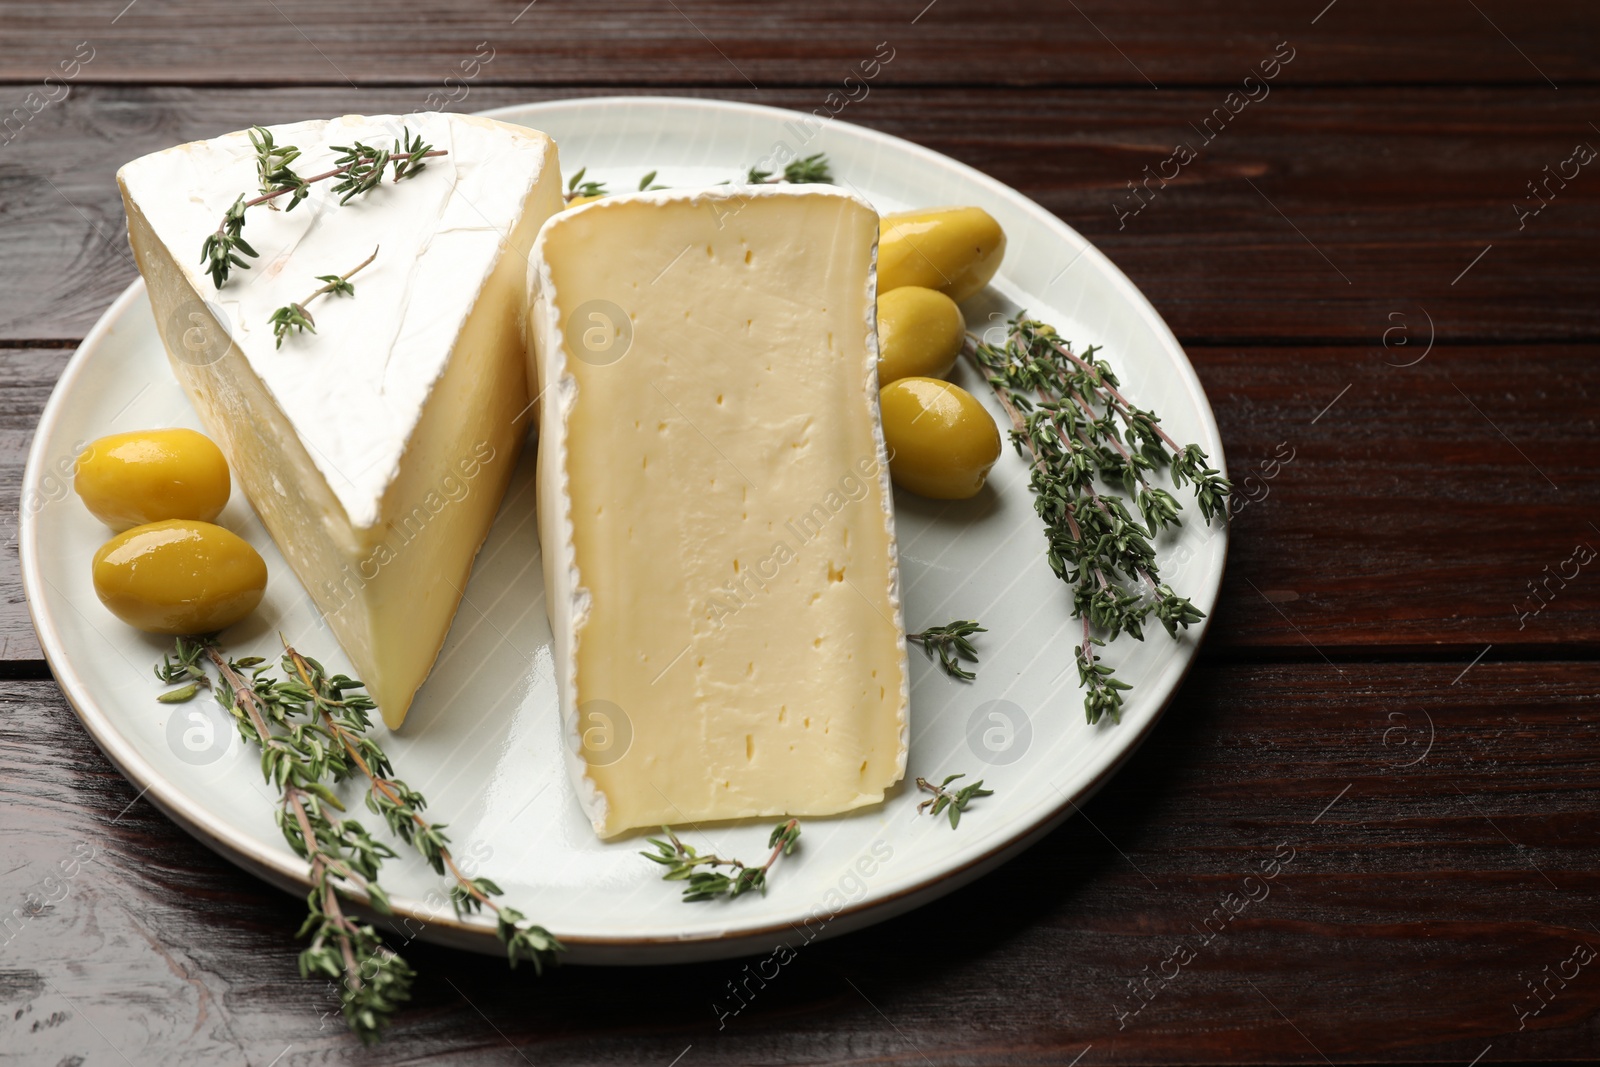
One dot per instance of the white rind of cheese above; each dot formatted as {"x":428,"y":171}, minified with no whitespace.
{"x":376,"y":449}
{"x":661,"y":734}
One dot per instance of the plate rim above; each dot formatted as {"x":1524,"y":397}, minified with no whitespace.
{"x":477,"y":933}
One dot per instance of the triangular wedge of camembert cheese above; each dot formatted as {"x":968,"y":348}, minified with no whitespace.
{"x":375,"y":449}
{"x":715,"y":508}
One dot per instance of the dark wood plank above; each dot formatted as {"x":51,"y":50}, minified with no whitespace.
{"x":26,"y":378}
{"x":1405,"y":514}
{"x":1435,"y":508}
{"x":748,"y":43}
{"x":1411,"y":906}
{"x":1315,"y":215}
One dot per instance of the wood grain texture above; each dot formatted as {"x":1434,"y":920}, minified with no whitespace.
{"x":1424,"y":510}
{"x":1398,"y":684}
{"x":750,"y":43}
{"x":1390,"y":509}
{"x":27,"y":376}
{"x":1410,"y":907}
{"x":1314,"y":215}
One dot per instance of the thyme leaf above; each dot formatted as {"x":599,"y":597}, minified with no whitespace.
{"x":273,"y":170}
{"x":311,"y":731}
{"x":295,"y":317}
{"x":953,"y":801}
{"x":683,"y":863}
{"x":951,"y":642}
{"x":577,"y":187}
{"x":361,"y":167}
{"x":1071,"y":422}
{"x":811,"y":169}
{"x":346,"y":722}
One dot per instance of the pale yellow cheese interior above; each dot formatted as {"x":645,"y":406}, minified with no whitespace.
{"x":729,"y":518}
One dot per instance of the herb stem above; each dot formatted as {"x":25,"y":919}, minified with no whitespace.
{"x":342,"y":721}
{"x":330,"y":899}
{"x":1122,"y":404}
{"x":294,"y":799}
{"x":334,"y":173}
{"x":1068,"y":417}
{"x":683,"y":862}
{"x":296,"y":317}
{"x":345,"y":277}
{"x":1154,"y":586}
{"x":377,"y":782}
{"x":955,"y":800}
{"x":1020,"y":429}
{"x":362,"y":167}
{"x":248,"y":697}
{"x":1127,"y":457}
{"x":1017,"y":423}
{"x":777,"y":849}
{"x":952,"y":642}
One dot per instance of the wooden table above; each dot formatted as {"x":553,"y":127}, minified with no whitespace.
{"x":1399,"y":686}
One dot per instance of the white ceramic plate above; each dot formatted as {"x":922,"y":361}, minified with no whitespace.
{"x":482,"y":738}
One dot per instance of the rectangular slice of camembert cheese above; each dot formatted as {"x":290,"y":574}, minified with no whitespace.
{"x":714,"y":506}
{"x":375,"y":449}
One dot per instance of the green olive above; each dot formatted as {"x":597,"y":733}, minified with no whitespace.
{"x":179,"y":576}
{"x":941,"y":440}
{"x":919,"y":334}
{"x":955,"y":250}
{"x":129,"y":479}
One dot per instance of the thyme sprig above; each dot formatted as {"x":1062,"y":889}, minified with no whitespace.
{"x":577,"y":187}
{"x":311,"y":730}
{"x":361,"y":165}
{"x":1074,"y":426}
{"x":295,"y":316}
{"x":683,"y":863}
{"x":954,"y":801}
{"x":273,"y":167}
{"x":411,"y":155}
{"x":811,"y":169}
{"x":345,"y":719}
{"x":343,"y":857}
{"x":952,"y":642}
{"x":220,"y":251}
